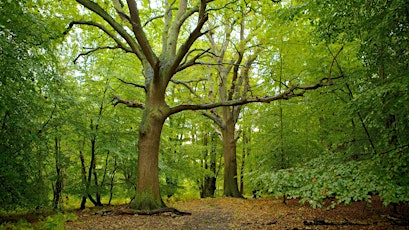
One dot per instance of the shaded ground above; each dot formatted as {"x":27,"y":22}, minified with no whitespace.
{"x":231,"y":213}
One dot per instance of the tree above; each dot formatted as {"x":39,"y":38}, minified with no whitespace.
{"x":361,"y":148}
{"x":29,"y":80}
{"x":177,"y":54}
{"x":375,"y":94}
{"x":233,"y":74}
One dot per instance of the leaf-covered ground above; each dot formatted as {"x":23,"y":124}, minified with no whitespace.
{"x":231,"y":213}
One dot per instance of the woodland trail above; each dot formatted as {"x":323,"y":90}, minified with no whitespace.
{"x":231,"y":213}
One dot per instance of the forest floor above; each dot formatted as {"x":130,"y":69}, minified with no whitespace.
{"x":231,"y":213}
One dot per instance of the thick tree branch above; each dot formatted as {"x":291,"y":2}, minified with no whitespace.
{"x":293,"y":91}
{"x":172,"y":34}
{"x":244,"y":84}
{"x":119,"y":43}
{"x":133,"y":84}
{"x":192,"y":61}
{"x":118,"y":5}
{"x":132,"y":104}
{"x":184,"y":48}
{"x":214,"y":117}
{"x":186,"y":84}
{"x":94,"y":7}
{"x":140,"y":34}
{"x":235,"y":75}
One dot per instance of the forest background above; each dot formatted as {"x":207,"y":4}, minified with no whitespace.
{"x":334,"y":74}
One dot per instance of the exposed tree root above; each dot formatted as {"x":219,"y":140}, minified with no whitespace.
{"x":398,"y":221}
{"x":260,"y":223}
{"x":392,"y":220}
{"x":128,"y":211}
{"x":329,"y":222}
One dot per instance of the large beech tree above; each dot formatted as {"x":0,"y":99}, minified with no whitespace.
{"x":233,"y":83}
{"x":161,"y":60}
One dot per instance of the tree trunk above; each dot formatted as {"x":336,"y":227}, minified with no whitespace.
{"x":230,"y":163}
{"x":84,"y":181}
{"x":111,"y":184}
{"x":213,"y":153}
{"x":59,"y":181}
{"x":208,"y":187}
{"x":148,"y":193}
{"x":246,"y":152}
{"x":92,"y":172}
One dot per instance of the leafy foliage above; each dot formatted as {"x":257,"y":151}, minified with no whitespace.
{"x":345,"y":180}
{"x":28,"y":81}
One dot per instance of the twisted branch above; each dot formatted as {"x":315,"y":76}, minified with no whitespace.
{"x":132,"y":104}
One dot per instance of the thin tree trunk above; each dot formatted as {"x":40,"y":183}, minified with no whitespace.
{"x":246,"y":152}
{"x":59,"y":181}
{"x":208,"y":185}
{"x":84,"y":181}
{"x":92,"y":172}
{"x":203,"y":182}
{"x":213,"y":152}
{"x":282,"y":157}
{"x":111,"y":184}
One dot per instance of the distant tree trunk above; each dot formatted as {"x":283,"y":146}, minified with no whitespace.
{"x":283,"y":163}
{"x":208,"y":186}
{"x":111,"y":184}
{"x":105,"y":169}
{"x":59,"y":171}
{"x":93,"y":172}
{"x":87,"y":180}
{"x":246,"y":151}
{"x":84,"y":181}
{"x":202,"y":183}
{"x":237,"y":88}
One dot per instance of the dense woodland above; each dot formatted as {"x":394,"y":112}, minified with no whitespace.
{"x":139,"y":102}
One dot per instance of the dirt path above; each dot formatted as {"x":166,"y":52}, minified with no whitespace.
{"x":230,"y":213}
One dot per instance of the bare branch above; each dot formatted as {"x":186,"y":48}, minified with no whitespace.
{"x":119,"y":43}
{"x":152,"y":18}
{"x":193,"y":80}
{"x":186,"y":84}
{"x":133,"y":84}
{"x":223,"y":7}
{"x":334,"y":59}
{"x":214,"y":117}
{"x":94,"y":50}
{"x":133,"y":104}
{"x":293,"y":91}
{"x":192,"y":61}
